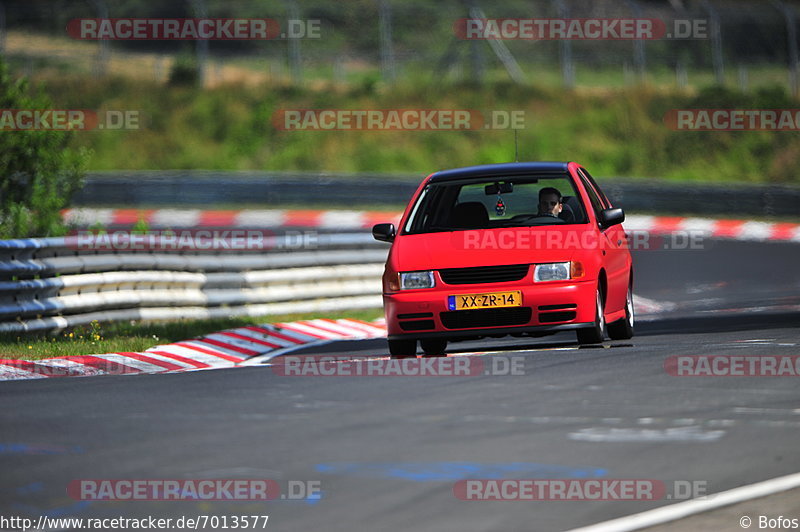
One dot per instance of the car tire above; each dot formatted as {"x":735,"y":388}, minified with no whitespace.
{"x":596,"y":333}
{"x":403,"y":348}
{"x":433,"y":348}
{"x":623,"y":329}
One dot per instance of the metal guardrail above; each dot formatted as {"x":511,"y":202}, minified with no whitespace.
{"x":208,"y":188}
{"x":193,"y":188}
{"x":49,"y":284}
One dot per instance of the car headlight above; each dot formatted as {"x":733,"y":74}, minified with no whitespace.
{"x":553,"y":271}
{"x":414,"y":280}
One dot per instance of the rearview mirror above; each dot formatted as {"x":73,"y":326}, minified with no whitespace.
{"x":498,"y":188}
{"x":384,"y":232}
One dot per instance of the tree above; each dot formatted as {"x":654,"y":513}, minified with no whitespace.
{"x":39,"y":172}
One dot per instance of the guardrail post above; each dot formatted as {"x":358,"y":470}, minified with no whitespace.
{"x":791,"y":36}
{"x":101,"y":60}
{"x":639,"y":58}
{"x":716,"y":43}
{"x":201,"y":45}
{"x":477,"y":61}
{"x":387,"y":50}
{"x":2,"y":28}
{"x":565,"y":48}
{"x":295,"y":59}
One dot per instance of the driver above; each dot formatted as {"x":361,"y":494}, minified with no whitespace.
{"x":550,"y":202}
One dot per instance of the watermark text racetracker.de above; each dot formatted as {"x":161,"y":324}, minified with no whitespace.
{"x":396,"y":119}
{"x":548,"y":237}
{"x":599,"y":489}
{"x":733,"y":119}
{"x":340,"y":366}
{"x":68,"y":120}
{"x":206,"y":239}
{"x":600,"y":29}
{"x":171,"y":29}
{"x":214,"y":489}
{"x":733,"y":365}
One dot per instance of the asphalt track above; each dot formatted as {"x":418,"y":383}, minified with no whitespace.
{"x":387,"y":451}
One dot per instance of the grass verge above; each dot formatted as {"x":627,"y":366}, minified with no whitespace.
{"x":619,"y":132}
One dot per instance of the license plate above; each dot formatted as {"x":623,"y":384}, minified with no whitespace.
{"x":490,"y":300}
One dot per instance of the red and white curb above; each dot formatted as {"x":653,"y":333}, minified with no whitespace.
{"x":193,"y":218}
{"x":711,"y":228}
{"x":224,"y":349}
{"x":218,"y":350}
{"x":353,"y":220}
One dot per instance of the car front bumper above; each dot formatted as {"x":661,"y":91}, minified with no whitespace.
{"x":554,"y":306}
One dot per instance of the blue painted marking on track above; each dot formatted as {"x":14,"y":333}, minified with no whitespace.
{"x":34,"y":490}
{"x":453,"y":471}
{"x":60,"y":511}
{"x":37,"y":448}
{"x":33,"y":487}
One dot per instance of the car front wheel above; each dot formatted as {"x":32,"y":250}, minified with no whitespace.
{"x":403,"y":348}
{"x":434,"y":347}
{"x":594,"y":334}
{"x":623,"y":329}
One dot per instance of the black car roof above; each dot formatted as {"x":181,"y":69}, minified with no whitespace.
{"x":504,"y":169}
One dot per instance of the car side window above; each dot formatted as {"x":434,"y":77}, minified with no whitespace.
{"x":597,"y":203}
{"x":588,"y":177}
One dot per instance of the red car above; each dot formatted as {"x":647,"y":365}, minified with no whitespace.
{"x":522,"y":249}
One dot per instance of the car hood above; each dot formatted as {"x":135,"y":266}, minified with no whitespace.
{"x":488,"y":247}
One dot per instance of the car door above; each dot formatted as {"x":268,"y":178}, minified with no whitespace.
{"x":616,"y":257}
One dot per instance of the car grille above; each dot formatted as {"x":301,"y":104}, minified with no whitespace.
{"x":485,"y":274}
{"x":496,"y":317}
{"x":554,"y":317}
{"x":419,"y":325}
{"x":417,"y":315}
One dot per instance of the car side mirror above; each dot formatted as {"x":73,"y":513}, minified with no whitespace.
{"x":609,"y":217}
{"x":384,"y":232}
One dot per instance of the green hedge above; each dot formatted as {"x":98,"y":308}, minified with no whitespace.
{"x":38,"y":172}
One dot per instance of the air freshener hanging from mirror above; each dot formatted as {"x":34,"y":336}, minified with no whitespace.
{"x":500,"y":207}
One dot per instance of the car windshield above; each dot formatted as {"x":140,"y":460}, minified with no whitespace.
{"x":487,"y":203}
